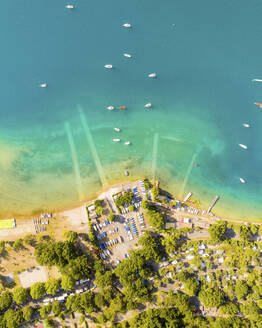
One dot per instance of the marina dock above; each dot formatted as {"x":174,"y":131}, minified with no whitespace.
{"x":213,"y":203}
{"x":187,"y":197}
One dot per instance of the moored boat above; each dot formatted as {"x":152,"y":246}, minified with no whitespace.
{"x":110,"y":107}
{"x":148,"y":105}
{"x":127,"y":55}
{"x":116,"y":140}
{"x":108,"y":66}
{"x":122,"y":107}
{"x":258,"y":104}
{"x":69,"y":6}
{"x":243,"y":146}
{"x":246,"y":125}
{"x":43,"y":85}
{"x":127,"y":143}
{"x":117,"y":129}
{"x":126,"y":25}
{"x":242,"y":180}
{"x":152,"y":75}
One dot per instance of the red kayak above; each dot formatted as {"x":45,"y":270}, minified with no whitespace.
{"x":122,"y":107}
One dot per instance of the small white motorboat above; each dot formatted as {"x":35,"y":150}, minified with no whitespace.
{"x":148,"y":105}
{"x":243,"y":146}
{"x":116,"y":140}
{"x":110,"y":107}
{"x":246,"y":125}
{"x":127,"y":55}
{"x":126,"y":25}
{"x":127,"y":143}
{"x":108,"y":66}
{"x":256,"y":80}
{"x":242,"y":180}
{"x":117,"y":129}
{"x":152,"y":75}
{"x":43,"y":85}
{"x":69,"y":6}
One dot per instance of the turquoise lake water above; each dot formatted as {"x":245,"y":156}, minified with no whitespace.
{"x":56,"y":146}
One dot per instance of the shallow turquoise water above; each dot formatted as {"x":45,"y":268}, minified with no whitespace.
{"x":56,"y":145}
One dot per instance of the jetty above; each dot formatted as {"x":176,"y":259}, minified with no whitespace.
{"x":187,"y":197}
{"x":213,"y":203}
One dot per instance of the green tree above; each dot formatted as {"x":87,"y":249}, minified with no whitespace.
{"x":156,"y":219}
{"x":145,"y":205}
{"x":99,"y":210}
{"x":18,"y":244}
{"x":45,"y":310}
{"x":171,"y":241}
{"x":155,"y":193}
{"x":229,"y":308}
{"x":30,"y":240}
{"x":79,"y":268}
{"x":5,"y":300}
{"x":112,"y":216}
{"x":20,"y":295}
{"x":87,"y":302}
{"x":241,"y":289}
{"x":245,"y":233}
{"x":151,"y":246}
{"x":211,"y":297}
{"x":37,"y":290}
{"x":13,"y":318}
{"x":217,"y":231}
{"x":56,"y":307}
{"x":104,"y":279}
{"x":67,"y":282}
{"x":71,"y":236}
{"x":131,"y":208}
{"x":27,"y":312}
{"x":99,"y":300}
{"x":52,"y":286}
{"x":191,"y":286}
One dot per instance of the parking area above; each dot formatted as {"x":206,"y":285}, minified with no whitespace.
{"x":117,"y":238}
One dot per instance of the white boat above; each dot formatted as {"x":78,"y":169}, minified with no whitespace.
{"x":242,"y":180}
{"x":148,"y":105}
{"x":152,"y":75}
{"x":126,"y":25}
{"x":127,"y":143}
{"x":246,"y":125}
{"x":110,"y":107}
{"x":117,"y":129}
{"x":69,"y":6}
{"x":43,"y":85}
{"x":243,"y":146}
{"x":127,"y":55}
{"x":108,"y":66}
{"x":116,"y":140}
{"x":256,"y":80}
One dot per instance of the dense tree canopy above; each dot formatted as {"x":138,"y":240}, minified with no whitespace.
{"x":5,"y":300}
{"x":67,"y":282}
{"x":211,"y":297}
{"x":27,"y":312}
{"x":126,"y":198}
{"x":37,"y":290}
{"x":55,"y":253}
{"x":241,"y":289}
{"x":20,"y":295}
{"x":52,"y":286}
{"x":218,"y":231}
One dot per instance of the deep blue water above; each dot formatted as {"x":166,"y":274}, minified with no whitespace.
{"x":205,"y":54}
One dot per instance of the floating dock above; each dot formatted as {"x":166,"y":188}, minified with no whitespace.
{"x":213,"y":203}
{"x":187,"y":197}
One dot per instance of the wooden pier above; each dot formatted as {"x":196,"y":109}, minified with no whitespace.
{"x":187,"y":197}
{"x":213,"y":203}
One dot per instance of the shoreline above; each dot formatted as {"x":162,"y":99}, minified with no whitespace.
{"x":203,"y":204}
